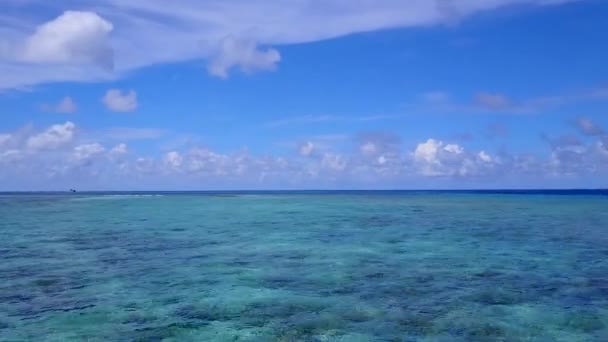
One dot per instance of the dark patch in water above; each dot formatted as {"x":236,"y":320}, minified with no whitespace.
{"x":197,"y":257}
{"x":239,"y":263}
{"x":345,"y":290}
{"x":297,"y":256}
{"x":275,"y":282}
{"x":584,"y":321}
{"x":488,"y":274}
{"x":280,"y":310}
{"x":16,"y":298}
{"x":172,"y":300}
{"x":32,"y":311}
{"x":376,"y":275}
{"x":304,"y":328}
{"x":379,"y":221}
{"x":76,"y":308}
{"x":486,"y":332}
{"x":137,"y":318}
{"x":46,"y":282}
{"x":416,"y":324}
{"x":158,"y":334}
{"x":498,"y":297}
{"x":203,"y":313}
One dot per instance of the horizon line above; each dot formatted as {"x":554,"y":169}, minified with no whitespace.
{"x":303,"y":190}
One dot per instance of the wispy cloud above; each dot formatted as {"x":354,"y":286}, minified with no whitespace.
{"x":321,"y":142}
{"x":589,"y":127}
{"x":301,"y":120}
{"x":312,"y":119}
{"x":67,"y":105}
{"x":129,"y":133}
{"x":489,"y":102}
{"x":129,"y":34}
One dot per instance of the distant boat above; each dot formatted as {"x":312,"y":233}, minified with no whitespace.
{"x":72,"y":190}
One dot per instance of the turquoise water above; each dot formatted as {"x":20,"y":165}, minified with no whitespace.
{"x":304,"y":267}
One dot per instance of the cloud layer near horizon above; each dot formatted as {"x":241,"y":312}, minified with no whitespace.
{"x":63,"y":155}
{"x":101,"y":39}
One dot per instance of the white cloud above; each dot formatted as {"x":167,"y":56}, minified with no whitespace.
{"x":373,"y":144}
{"x":9,"y":155}
{"x":435,"y":158}
{"x":145,"y":33}
{"x":174,"y":159}
{"x":485,"y":157}
{"x":453,"y":148}
{"x":333,"y":162}
{"x":427,"y":151}
{"x":67,"y":105}
{"x":368,"y":148}
{"x":72,"y":38}
{"x":119,"y":149}
{"x":86,"y":151}
{"x":306,"y":149}
{"x":55,"y":136}
{"x":57,"y":156}
{"x":244,"y":54}
{"x":117,"y":101}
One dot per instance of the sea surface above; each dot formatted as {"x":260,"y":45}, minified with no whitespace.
{"x":304,"y":266}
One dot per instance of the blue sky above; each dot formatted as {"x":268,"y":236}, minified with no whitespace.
{"x":107,"y":94}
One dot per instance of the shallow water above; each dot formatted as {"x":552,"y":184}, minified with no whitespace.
{"x":304,"y":267}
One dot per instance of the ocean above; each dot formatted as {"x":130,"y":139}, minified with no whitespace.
{"x":304,"y":266}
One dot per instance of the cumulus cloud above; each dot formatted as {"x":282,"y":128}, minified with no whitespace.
{"x":72,"y":38}
{"x":483,"y":156}
{"x":228,"y":34}
{"x":174,"y":159}
{"x":333,"y":162}
{"x":57,"y":156}
{"x":119,"y":149}
{"x":87,"y":151}
{"x":119,"y":101}
{"x":306,"y":149}
{"x":244,"y":54}
{"x":375,"y":143}
{"x":67,"y":105}
{"x":435,"y":158}
{"x":53,"y":137}
{"x":368,"y":148}
{"x":427,"y":151}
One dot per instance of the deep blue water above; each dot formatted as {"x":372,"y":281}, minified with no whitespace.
{"x":305,"y":266}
